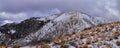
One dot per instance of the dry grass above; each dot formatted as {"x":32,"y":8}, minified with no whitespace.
{"x":97,"y":36}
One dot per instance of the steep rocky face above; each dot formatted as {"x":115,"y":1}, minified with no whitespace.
{"x":39,"y":29}
{"x":28,"y":26}
{"x":13,"y":31}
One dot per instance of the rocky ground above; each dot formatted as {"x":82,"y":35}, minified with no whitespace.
{"x":101,"y":36}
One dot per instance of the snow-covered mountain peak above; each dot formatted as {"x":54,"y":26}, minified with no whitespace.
{"x":43,"y":28}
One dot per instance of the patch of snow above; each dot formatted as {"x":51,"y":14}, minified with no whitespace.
{"x":27,"y":40}
{"x":71,"y":46}
{"x":114,"y":29}
{"x":42,"y":19}
{"x":62,"y":17}
{"x":28,"y":47}
{"x":113,"y":43}
{"x":12,"y":31}
{"x":52,"y":17}
{"x":90,"y":46}
{"x":103,"y":46}
{"x":84,"y":40}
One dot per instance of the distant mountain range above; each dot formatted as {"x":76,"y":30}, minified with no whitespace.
{"x":37,"y":29}
{"x":4,"y":21}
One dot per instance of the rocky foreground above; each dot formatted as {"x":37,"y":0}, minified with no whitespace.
{"x":101,"y":36}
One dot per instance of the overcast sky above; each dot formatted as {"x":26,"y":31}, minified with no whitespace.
{"x":22,"y":9}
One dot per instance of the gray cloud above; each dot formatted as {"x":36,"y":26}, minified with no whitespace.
{"x":28,"y":5}
{"x":29,"y":8}
{"x":107,"y":8}
{"x":16,"y":17}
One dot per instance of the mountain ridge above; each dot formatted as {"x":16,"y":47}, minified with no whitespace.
{"x":53,"y":26}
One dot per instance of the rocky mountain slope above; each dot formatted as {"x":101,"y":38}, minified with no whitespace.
{"x":37,"y":29}
{"x":101,"y":36}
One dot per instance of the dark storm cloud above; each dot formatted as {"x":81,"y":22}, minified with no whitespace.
{"x":27,"y":8}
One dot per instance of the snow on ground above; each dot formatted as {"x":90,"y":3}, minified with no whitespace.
{"x":12,"y":31}
{"x":28,"y":47}
{"x":101,"y":37}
